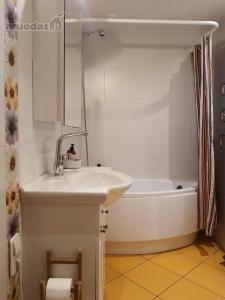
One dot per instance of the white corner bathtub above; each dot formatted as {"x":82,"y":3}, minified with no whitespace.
{"x":153,"y":216}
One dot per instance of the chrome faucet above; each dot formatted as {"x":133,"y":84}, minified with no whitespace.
{"x":58,"y":166}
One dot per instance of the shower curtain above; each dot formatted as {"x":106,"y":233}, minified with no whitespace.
{"x":202,"y":64}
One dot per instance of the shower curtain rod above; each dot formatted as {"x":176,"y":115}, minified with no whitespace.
{"x":213,"y":24}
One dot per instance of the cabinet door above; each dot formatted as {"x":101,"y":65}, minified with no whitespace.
{"x":101,"y":253}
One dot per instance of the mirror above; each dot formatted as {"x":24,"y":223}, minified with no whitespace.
{"x":72,"y":68}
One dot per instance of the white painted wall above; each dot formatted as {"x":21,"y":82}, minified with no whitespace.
{"x":140,"y":105}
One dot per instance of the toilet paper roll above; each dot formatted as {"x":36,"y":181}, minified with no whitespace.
{"x":59,"y":289}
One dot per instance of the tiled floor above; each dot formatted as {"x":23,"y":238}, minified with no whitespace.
{"x":191,"y":273}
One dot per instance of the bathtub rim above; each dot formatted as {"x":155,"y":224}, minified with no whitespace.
{"x":151,"y":247}
{"x":167,"y":193}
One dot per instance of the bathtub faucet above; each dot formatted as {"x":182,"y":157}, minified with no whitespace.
{"x":58,"y":166}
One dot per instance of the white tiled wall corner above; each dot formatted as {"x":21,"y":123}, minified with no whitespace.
{"x":3,"y":243}
{"x":2,"y":57}
{"x":25,"y":17}
{"x":140,"y":105}
{"x":36,"y":139}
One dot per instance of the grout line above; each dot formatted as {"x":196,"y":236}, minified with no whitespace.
{"x":124,"y":275}
{"x":107,"y":282}
{"x":147,"y":259}
{"x":128,"y":269}
{"x":208,"y":256}
{"x":205,"y":288}
{"x":199,"y":263}
{"x":134,"y":267}
{"x":119,"y":275}
{"x":184,"y":277}
{"x":140,"y":286}
{"x":180,"y":276}
{"x":179,"y":279}
{"x":135,"y":283}
{"x":167,"y":269}
{"x":213,"y":265}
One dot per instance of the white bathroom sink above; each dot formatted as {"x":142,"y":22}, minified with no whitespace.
{"x":85,"y":185}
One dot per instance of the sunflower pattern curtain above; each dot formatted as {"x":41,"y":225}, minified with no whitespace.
{"x":202,"y":65}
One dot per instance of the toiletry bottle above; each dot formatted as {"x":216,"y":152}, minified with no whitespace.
{"x":71,"y":150}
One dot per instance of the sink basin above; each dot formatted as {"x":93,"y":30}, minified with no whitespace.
{"x":85,"y":185}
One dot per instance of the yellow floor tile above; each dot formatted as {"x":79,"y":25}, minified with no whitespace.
{"x":210,"y":278}
{"x":200,"y":251}
{"x":217,"y":260}
{"x":186,"y":290}
{"x":152,"y":277}
{"x":110,"y":274}
{"x":176,"y":262}
{"x":123,"y":289}
{"x":122,"y":264}
{"x":148,"y":256}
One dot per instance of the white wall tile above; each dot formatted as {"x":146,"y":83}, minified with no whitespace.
{"x":140,"y":105}
{"x":94,"y":85}
{"x":36,"y":139}
{"x":27,"y":127}
{"x":155,"y":57}
{"x":137,"y":85}
{"x":158,"y":160}
{"x":180,"y":122}
{"x":182,"y":84}
{"x":115,"y":50}
{"x":35,"y":159}
{"x":127,"y":155}
{"x":115,"y":86}
{"x":94,"y":51}
{"x":25,"y":17}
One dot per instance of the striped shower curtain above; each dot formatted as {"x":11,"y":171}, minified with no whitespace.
{"x":202,"y":64}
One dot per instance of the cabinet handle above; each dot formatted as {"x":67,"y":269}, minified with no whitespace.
{"x":105,"y":226}
{"x":105,"y":211}
{"x":103,"y":230}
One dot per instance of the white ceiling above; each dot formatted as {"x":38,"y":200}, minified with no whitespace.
{"x":150,"y":9}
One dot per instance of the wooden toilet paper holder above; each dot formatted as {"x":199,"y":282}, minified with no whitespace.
{"x":77,"y":284}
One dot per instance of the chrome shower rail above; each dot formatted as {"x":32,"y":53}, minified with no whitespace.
{"x":106,"y":23}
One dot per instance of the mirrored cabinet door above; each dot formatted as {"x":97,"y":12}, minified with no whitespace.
{"x":73,"y":70}
{"x":57,"y":93}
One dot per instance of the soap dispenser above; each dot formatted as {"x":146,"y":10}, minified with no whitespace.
{"x":70,"y":160}
{"x":71,"y":150}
